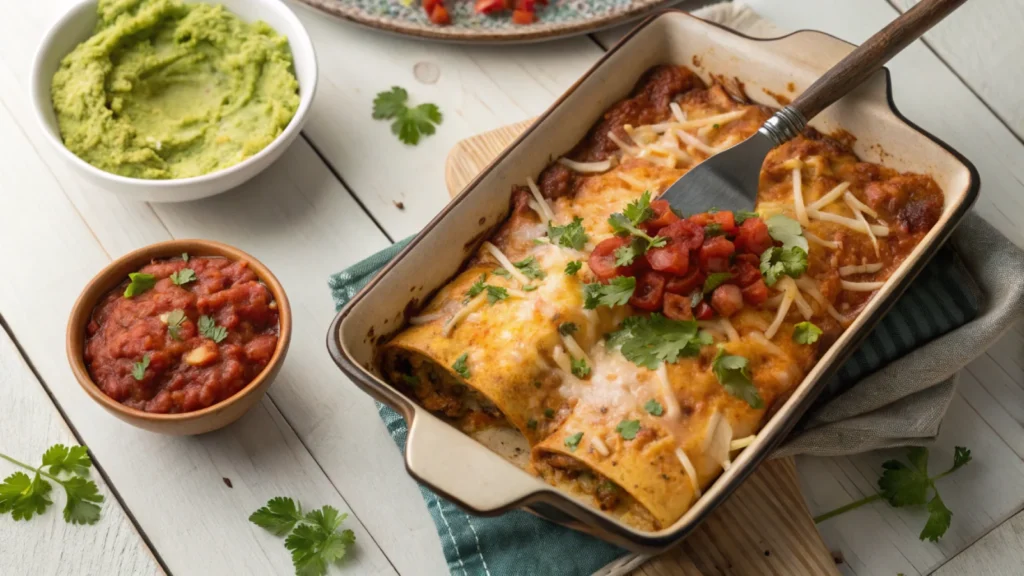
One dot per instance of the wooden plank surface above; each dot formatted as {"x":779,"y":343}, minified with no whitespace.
{"x":764,"y":527}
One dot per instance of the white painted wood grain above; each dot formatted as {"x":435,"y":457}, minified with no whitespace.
{"x":999,"y":553}
{"x":981,"y":41}
{"x":46,"y":544}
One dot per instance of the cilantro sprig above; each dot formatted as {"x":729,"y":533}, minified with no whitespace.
{"x":908,"y":485}
{"x":734,"y":375}
{"x":461,"y":365}
{"x":139,"y":368}
{"x":314,"y":540}
{"x":208,"y":328}
{"x":650,"y":340}
{"x":530,"y":268}
{"x":626,"y":223}
{"x":579,"y":367}
{"x":25,"y":496}
{"x":617,"y":292}
{"x":628,"y":429}
{"x":571,"y":235}
{"x":407,"y":123}
{"x":806,"y":333}
{"x":183,"y":276}
{"x":654,"y":408}
{"x":573,"y":267}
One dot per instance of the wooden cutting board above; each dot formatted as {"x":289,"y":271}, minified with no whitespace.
{"x":764,"y":527}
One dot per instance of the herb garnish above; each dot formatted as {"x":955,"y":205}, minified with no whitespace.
{"x":903,"y":485}
{"x":806,"y":333}
{"x":573,"y":267}
{"x":572,"y":235}
{"x":139,"y":368}
{"x":786,"y":230}
{"x":208,"y":328}
{"x":713,"y":229}
{"x":460,"y":366}
{"x":174,"y":320}
{"x":529,"y":288}
{"x":138,"y":283}
{"x":741,"y":215}
{"x":549,"y":413}
{"x":529,"y":267}
{"x":501,"y":272}
{"x":617,"y":292}
{"x":409,"y":123}
{"x":573,"y":442}
{"x":777,"y":262}
{"x":24,"y":496}
{"x":654,"y":408}
{"x":567,"y":328}
{"x":531,"y":424}
{"x":650,"y":340}
{"x":495,"y":293}
{"x":579,"y":367}
{"x":315,"y":542}
{"x":733,"y":373}
{"x":624,"y":255}
{"x":714,"y":280}
{"x":628,"y":429}
{"x":184,"y":256}
{"x":627,"y":222}
{"x":184,"y":276}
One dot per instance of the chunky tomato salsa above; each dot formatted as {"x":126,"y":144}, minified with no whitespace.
{"x":182,"y":334}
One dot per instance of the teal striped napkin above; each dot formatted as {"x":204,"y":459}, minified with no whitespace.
{"x":942,"y":298}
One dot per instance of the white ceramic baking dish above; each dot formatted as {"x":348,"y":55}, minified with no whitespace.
{"x":480,"y":480}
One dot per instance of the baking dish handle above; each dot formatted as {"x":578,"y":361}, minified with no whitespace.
{"x":464,"y":471}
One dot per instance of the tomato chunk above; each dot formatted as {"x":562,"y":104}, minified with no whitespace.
{"x":746,"y":269}
{"x":650,"y":288}
{"x":723,"y":218}
{"x":672,"y":258}
{"x":703,"y":311}
{"x":677,"y":307}
{"x":602,"y":260}
{"x":439,"y":15}
{"x":684,"y":232}
{"x":663,"y":216}
{"x":686,"y":284}
{"x":715,"y":254}
{"x":523,"y":17}
{"x":727,"y":299}
{"x":753,"y":236}
{"x":756,"y":293}
{"x":486,"y":6}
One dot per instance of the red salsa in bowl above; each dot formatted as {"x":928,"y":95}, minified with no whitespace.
{"x":182,"y":334}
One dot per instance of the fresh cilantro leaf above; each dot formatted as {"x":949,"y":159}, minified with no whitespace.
{"x":495,"y":293}
{"x":741,"y":215}
{"x":939,"y":519}
{"x":174,"y":320}
{"x":476,"y":288}
{"x":732,"y":372}
{"x":530,"y":268}
{"x":279,"y":516}
{"x":628,"y":429}
{"x":777,"y":262}
{"x":616,"y":293}
{"x":654,"y":408}
{"x":209,"y":329}
{"x":714,"y":280}
{"x":83,"y":500}
{"x":390,"y":104}
{"x":24,"y":497}
{"x":573,"y":442}
{"x":529,"y":288}
{"x":566,"y":328}
{"x":139,"y":368}
{"x":623,"y":226}
{"x":806,"y":333}
{"x":74,"y":460}
{"x":409,"y":123}
{"x":572,"y":235}
{"x":715,"y":126}
{"x":184,"y":256}
{"x":138,"y":283}
{"x":961,"y":456}
{"x":460,"y":366}
{"x":502,"y":272}
{"x":786,"y":230}
{"x":580,"y":368}
{"x":549,"y":413}
{"x":649,"y":341}
{"x":573,"y":267}
{"x":183,"y":276}
{"x":640,"y":209}
{"x":531,"y":424}
{"x":903,"y":485}
{"x":624,"y":255}
{"x":713,"y":229}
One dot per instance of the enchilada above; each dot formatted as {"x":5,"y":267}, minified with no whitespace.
{"x":637,"y":350}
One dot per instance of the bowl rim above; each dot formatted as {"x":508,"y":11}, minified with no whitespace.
{"x":110,"y":277}
{"x":52,"y":133}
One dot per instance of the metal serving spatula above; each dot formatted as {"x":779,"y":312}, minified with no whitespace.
{"x":728,"y":180}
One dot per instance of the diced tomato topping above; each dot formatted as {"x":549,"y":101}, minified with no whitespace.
{"x":727,"y":299}
{"x":753,"y":236}
{"x":672,"y":258}
{"x":488,"y":6}
{"x":723,"y":218}
{"x":428,"y":5}
{"x":685,"y":284}
{"x":663,"y":216}
{"x":746,"y":269}
{"x":756,"y":293}
{"x":685,"y":232}
{"x":677,"y":307}
{"x":527,"y":5}
{"x":523,"y":17}
{"x":439,"y":15}
{"x":650,"y":287}
{"x":602,"y":260}
{"x":703,"y":311}
{"x":715,"y":254}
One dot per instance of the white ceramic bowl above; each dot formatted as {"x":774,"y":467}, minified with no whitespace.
{"x":78,"y":24}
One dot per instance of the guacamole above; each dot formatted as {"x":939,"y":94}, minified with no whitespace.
{"x":171,"y":90}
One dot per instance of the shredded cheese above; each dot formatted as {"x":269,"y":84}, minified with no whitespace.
{"x":548,"y":215}
{"x":862,"y":269}
{"x":714,"y":328}
{"x":677,"y":111}
{"x":759,"y":339}
{"x":459,"y":316}
{"x":425,"y":318}
{"x":587,"y":167}
{"x":690,"y":471}
{"x":861,"y":286}
{"x":718,"y":448}
{"x":741,"y":443}
{"x":854,"y":201}
{"x":561,"y":359}
{"x":694,"y":142}
{"x":668,"y":397}
{"x":600,"y":446}
{"x":814,"y":239}
{"x":829,"y":197}
{"x":506,"y":263}
{"x":798,"y":198}
{"x":574,"y":348}
{"x":860,"y":216}
{"x":729,"y":329}
{"x":627,"y":148}
{"x":808,"y":286}
{"x":855,"y":225}
{"x":709,"y":431}
{"x":780,"y":314}
{"x":632,"y":180}
{"x":805,"y":309}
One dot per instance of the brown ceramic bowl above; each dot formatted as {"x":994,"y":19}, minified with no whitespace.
{"x":188,"y":423}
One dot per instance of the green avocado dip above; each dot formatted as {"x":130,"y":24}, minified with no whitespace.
{"x":171,"y":90}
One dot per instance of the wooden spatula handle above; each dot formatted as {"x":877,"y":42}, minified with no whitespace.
{"x":872,"y":55}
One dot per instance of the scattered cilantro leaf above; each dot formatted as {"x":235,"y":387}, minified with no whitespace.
{"x":732,"y":372}
{"x":531,"y":424}
{"x":626,"y":223}
{"x":279,"y":516}
{"x":806,"y":333}
{"x":476,"y":288}
{"x":529,"y":288}
{"x":495,"y":293}
{"x":650,"y":340}
{"x":573,"y":442}
{"x":73,"y":460}
{"x":714,"y":280}
{"x":183,"y":276}
{"x":713,"y":229}
{"x":314,"y":540}
{"x":615,"y":293}
{"x":624,"y":255}
{"x":961,"y":456}
{"x":572,"y":235}
{"x":628,"y":429}
{"x":622,"y":226}
{"x":654,"y":408}
{"x":139,"y":368}
{"x":25,"y":496}
{"x":208,"y":328}
{"x":939,"y":519}
{"x":408,"y":123}
{"x":567,"y":328}
{"x":184,"y":256}
{"x":83,"y":499}
{"x":530,"y":268}
{"x":502,"y":272}
{"x":639,"y":210}
{"x":174,"y":320}
{"x":777,"y":262}
{"x":580,"y":368}
{"x":573,"y":267}
{"x":741,"y":215}
{"x":460,"y":366}
{"x":139,"y":282}
{"x":549,"y":413}
{"x":784,"y":229}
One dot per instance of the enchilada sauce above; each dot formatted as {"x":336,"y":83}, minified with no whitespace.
{"x":190,"y":334}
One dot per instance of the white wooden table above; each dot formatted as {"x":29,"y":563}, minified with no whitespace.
{"x":332,"y":200}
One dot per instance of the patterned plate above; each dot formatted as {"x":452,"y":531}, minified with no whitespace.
{"x":559,"y":18}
